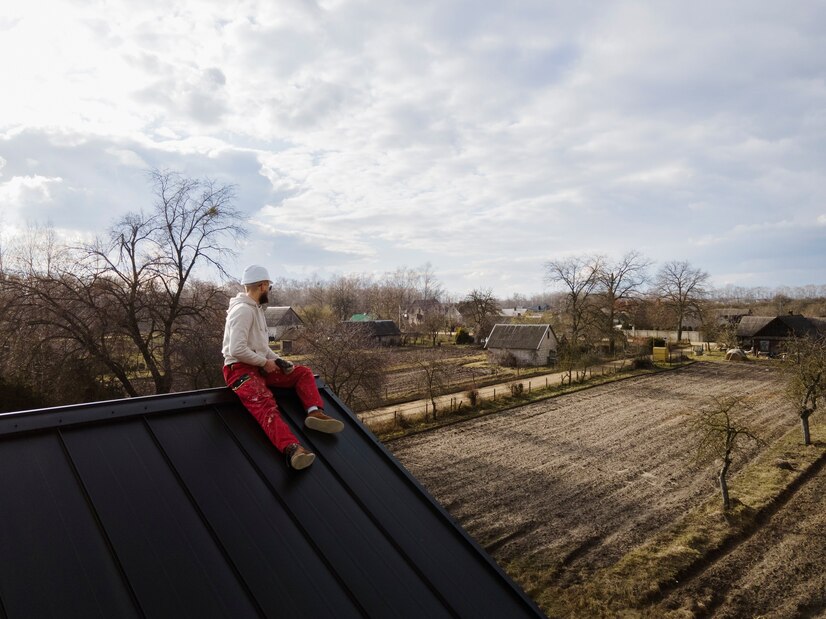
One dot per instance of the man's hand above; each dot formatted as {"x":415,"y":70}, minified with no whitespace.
{"x":270,"y":366}
{"x":286,"y":366}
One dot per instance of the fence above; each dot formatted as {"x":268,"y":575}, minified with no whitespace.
{"x":459,"y":403}
{"x":695,"y":337}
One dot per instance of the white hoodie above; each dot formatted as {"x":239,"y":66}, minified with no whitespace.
{"x":246,"y":339}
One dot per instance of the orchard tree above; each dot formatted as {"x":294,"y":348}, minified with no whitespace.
{"x":435,"y":371}
{"x":721,"y":429}
{"x":805,"y":367}
{"x":681,"y":288}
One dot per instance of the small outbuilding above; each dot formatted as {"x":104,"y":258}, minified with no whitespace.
{"x":284,"y":326}
{"x":527,"y":344}
{"x":385,"y":332}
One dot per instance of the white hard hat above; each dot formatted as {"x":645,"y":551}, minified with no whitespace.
{"x":255,"y":273}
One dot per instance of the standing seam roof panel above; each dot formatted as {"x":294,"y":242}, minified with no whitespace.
{"x":178,"y":505}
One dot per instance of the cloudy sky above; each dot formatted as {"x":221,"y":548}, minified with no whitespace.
{"x":483,"y":137}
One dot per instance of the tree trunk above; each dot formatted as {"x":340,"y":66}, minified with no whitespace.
{"x":804,"y":421}
{"x":724,"y":487}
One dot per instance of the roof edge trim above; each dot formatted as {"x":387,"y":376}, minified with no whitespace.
{"x":62,"y":416}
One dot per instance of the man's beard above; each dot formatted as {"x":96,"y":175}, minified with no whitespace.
{"x":263,"y":299}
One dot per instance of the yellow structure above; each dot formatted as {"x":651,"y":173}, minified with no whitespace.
{"x":660,"y":353}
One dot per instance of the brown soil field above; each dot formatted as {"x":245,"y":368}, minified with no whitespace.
{"x":573,"y":483}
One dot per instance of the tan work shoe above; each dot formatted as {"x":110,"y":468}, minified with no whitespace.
{"x":297,"y":457}
{"x":320,"y":422}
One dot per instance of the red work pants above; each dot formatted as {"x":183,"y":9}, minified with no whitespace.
{"x":256,"y":396}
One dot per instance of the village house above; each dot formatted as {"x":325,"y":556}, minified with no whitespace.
{"x":526,"y":344}
{"x":766,"y":335}
{"x":419,"y":310}
{"x":284,"y":326}
{"x":385,"y":332}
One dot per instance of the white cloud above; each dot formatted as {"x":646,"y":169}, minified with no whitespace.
{"x":483,"y":137}
{"x":20,"y":191}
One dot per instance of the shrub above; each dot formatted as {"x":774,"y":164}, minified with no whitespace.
{"x":517,"y":389}
{"x":473,"y":397}
{"x":463,"y":337}
{"x":642,"y":362}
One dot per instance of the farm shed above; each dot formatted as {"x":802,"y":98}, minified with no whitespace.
{"x":385,"y":332}
{"x":528,"y":344}
{"x":284,"y":325}
{"x":767,"y":334}
{"x":178,"y":506}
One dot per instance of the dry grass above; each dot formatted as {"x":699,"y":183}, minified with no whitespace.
{"x":632,"y":586}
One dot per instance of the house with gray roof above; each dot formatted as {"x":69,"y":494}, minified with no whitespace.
{"x":527,"y":344}
{"x":768,"y":334}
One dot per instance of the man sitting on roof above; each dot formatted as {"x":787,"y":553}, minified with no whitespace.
{"x":250,"y":368}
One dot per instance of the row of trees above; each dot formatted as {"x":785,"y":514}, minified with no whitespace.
{"x":137,"y":310}
{"x":595,"y":289}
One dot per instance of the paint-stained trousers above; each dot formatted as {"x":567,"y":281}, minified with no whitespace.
{"x":253,"y":390}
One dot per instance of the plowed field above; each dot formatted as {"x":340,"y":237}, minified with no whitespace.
{"x":576,"y":481}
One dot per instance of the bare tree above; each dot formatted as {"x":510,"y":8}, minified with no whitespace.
{"x":348,"y":358}
{"x":343,"y":292}
{"x":621,"y":281}
{"x":429,"y":285}
{"x":434,"y":322}
{"x":805,"y":367}
{"x":720,"y":429}
{"x":435,"y":372}
{"x":681,"y":287}
{"x":127,"y":295}
{"x":579,"y":278}
{"x":481,"y":310}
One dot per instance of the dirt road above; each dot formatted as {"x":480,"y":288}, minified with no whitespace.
{"x":576,"y":481}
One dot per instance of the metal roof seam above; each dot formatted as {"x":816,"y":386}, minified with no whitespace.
{"x":515,"y":590}
{"x":207,"y":525}
{"x":99,"y":522}
{"x":296,"y":521}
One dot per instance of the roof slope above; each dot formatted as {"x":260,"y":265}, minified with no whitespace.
{"x":282,"y":315}
{"x":177,"y":505}
{"x":783,"y":325}
{"x":527,"y":337}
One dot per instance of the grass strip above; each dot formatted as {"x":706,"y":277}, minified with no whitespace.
{"x":503,"y":403}
{"x":632,"y":586}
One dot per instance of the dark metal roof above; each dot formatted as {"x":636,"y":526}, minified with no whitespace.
{"x":178,"y":506}
{"x":378,"y":328}
{"x":784,"y":325}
